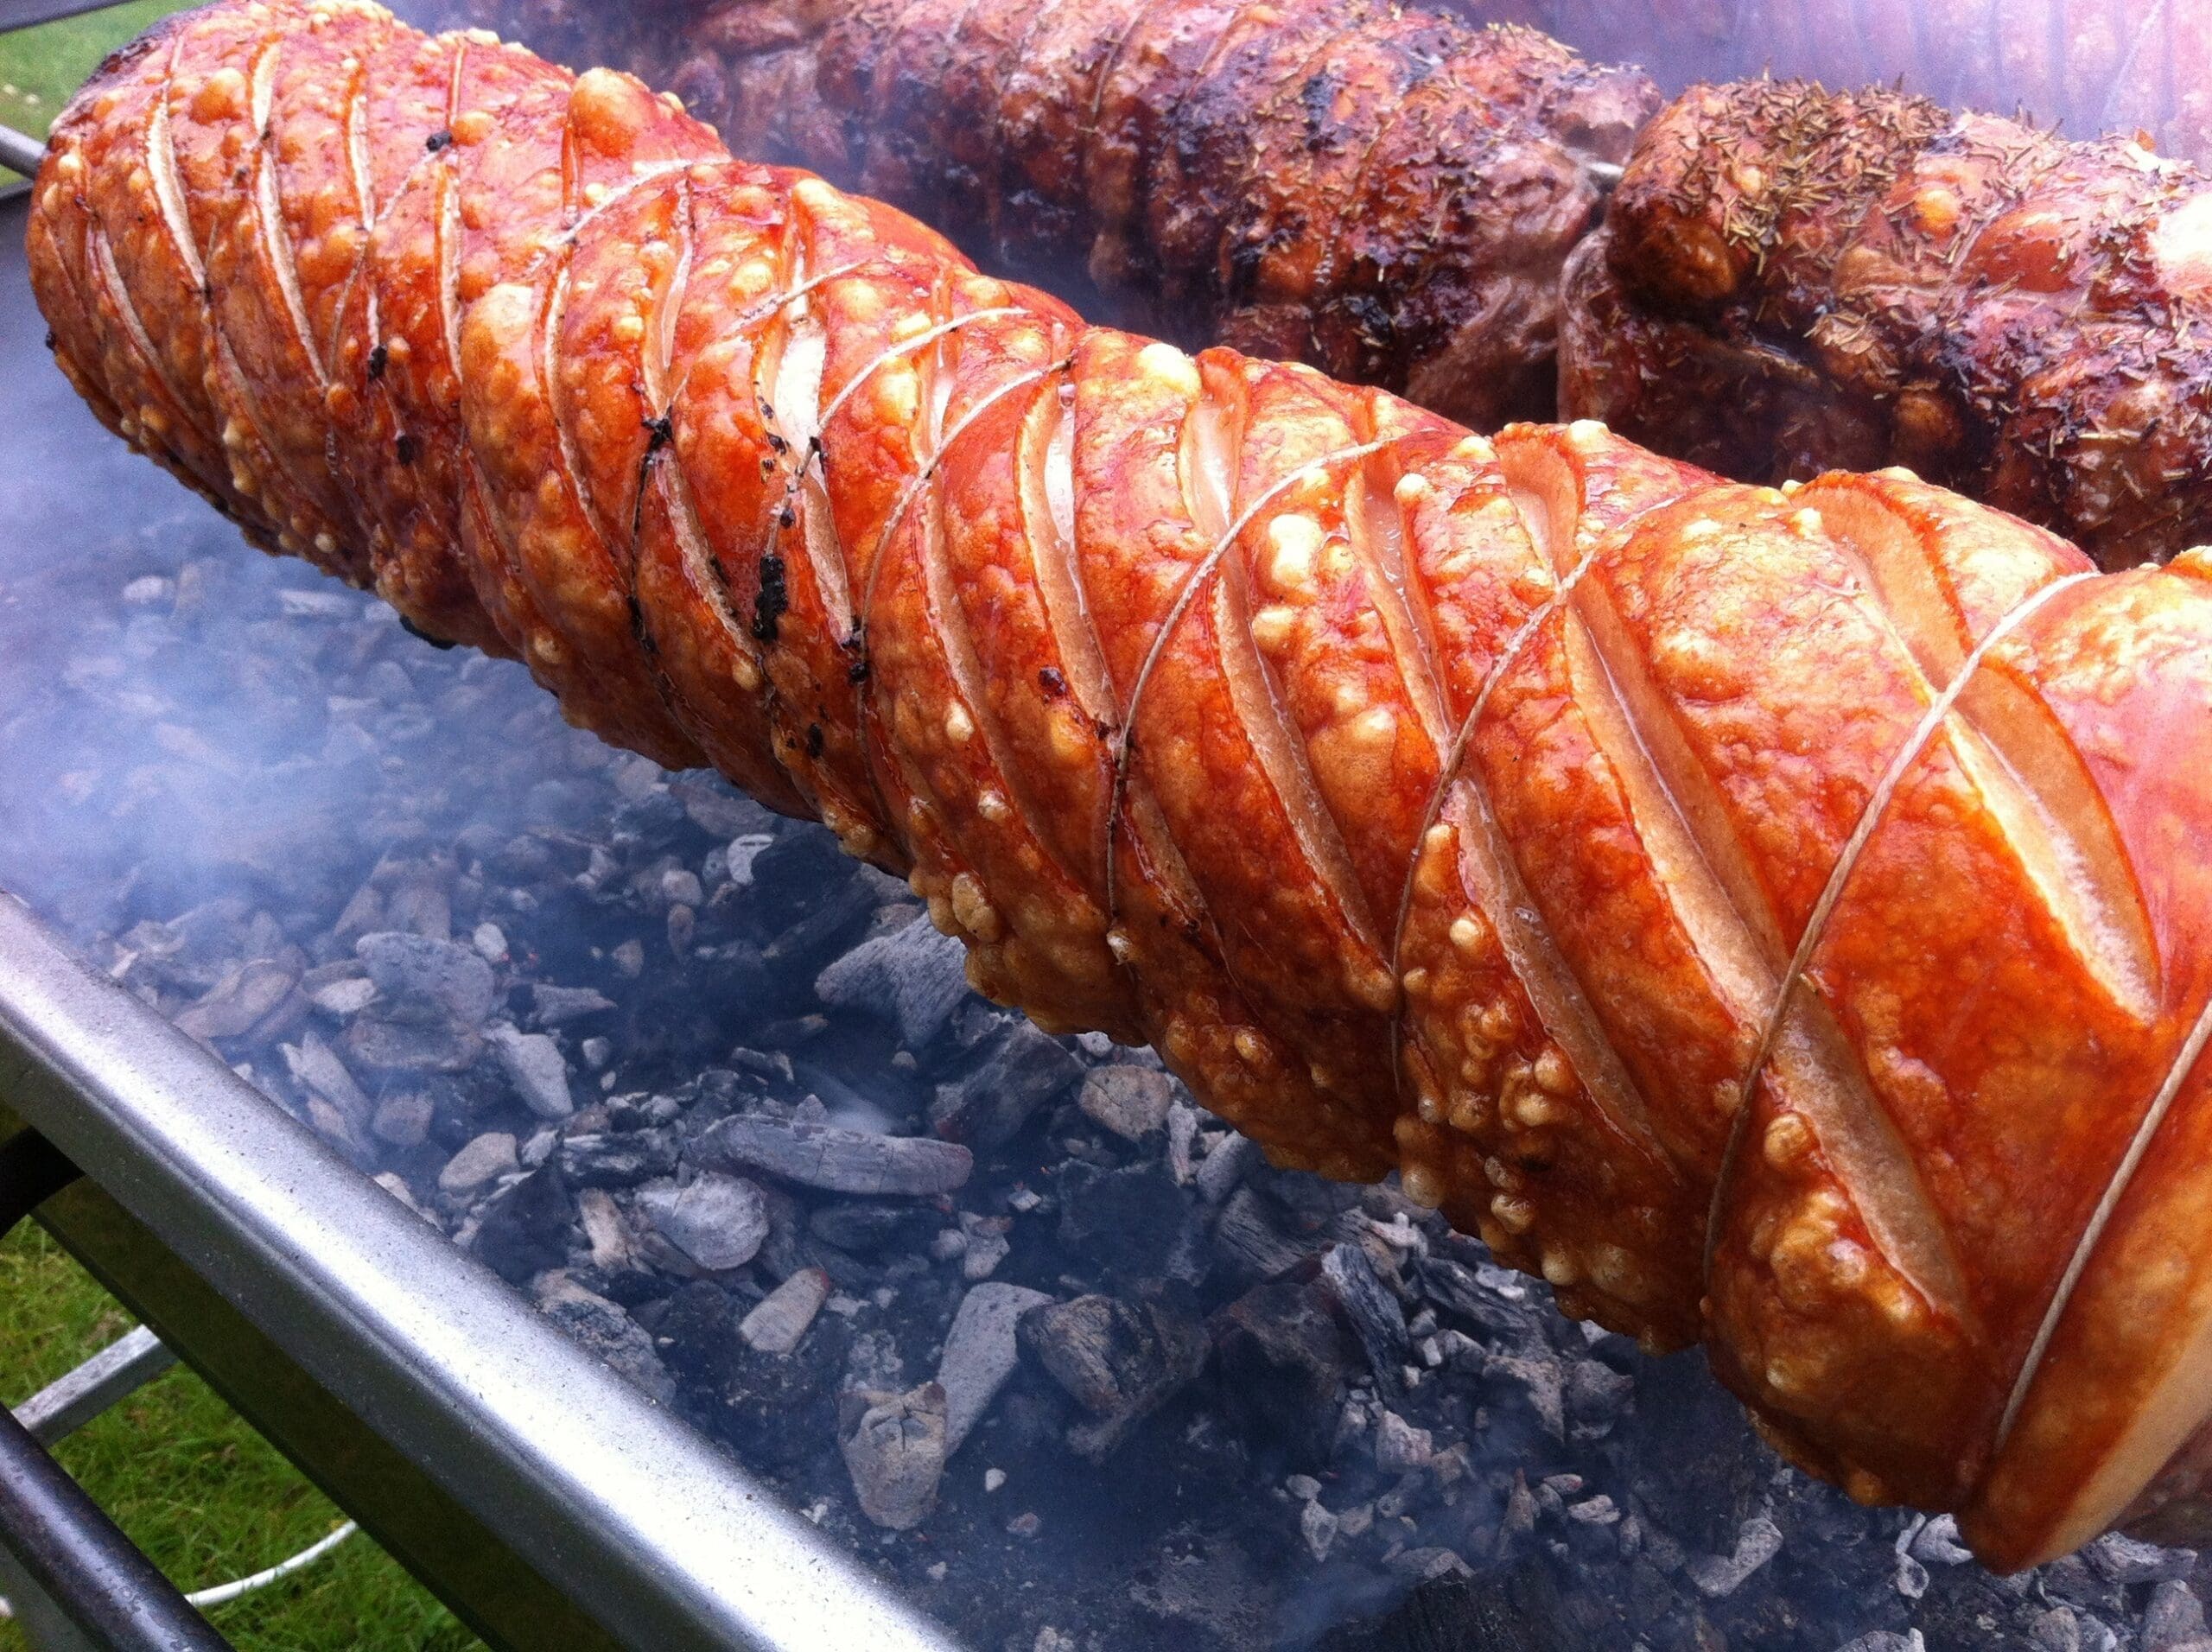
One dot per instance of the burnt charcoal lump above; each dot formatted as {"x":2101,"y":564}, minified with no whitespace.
{"x":537,"y":1068}
{"x":429,"y":976}
{"x":605,"y":1328}
{"x":1248,"y":1249}
{"x":1283,"y":1364}
{"x":867,"y":1226}
{"x":525,"y":1228}
{"x":836,"y":1159}
{"x":1717,"y":1469}
{"x":980,"y":1353}
{"x":557,"y":1006}
{"x":894,"y":1445}
{"x":616,"y":1159}
{"x":779,"y":1322}
{"x":1134,"y":1221}
{"x":1515,"y":1610}
{"x":1373,"y":1315}
{"x":987,"y":1106}
{"x":696,"y":1329}
{"x":1131,"y":1102}
{"x":718,"y":1221}
{"x":778,"y":1410}
{"x":383,"y":1044}
{"x":917,"y":974}
{"x":795,"y":874}
{"x":1120,"y":1361}
{"x":483,"y":1160}
{"x":1484,"y":1296}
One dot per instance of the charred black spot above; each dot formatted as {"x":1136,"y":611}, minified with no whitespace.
{"x":1377,"y":328}
{"x":788,"y":519}
{"x":1245,"y":256}
{"x":774,"y":598}
{"x":1317,"y":99}
{"x":437,"y":141}
{"x":857,"y":671}
{"x":408,"y":447}
{"x":659,"y":433}
{"x":50,"y":340}
{"x":379,"y":359}
{"x":777,"y":441}
{"x":414,"y":630}
{"x":814,"y":739}
{"x":1051,"y":680}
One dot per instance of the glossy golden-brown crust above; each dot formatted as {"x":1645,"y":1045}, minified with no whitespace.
{"x":1791,"y":280}
{"x":1386,"y":192}
{"x":1776,"y":917}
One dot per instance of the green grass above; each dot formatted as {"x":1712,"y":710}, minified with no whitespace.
{"x":198,"y":1489}
{"x":39,"y":67}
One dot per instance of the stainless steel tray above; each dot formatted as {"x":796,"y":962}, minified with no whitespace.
{"x":549,"y":1502}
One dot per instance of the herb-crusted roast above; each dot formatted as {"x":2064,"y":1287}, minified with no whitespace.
{"x":1791,"y":280}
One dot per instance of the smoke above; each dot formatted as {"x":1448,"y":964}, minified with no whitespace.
{"x":184,"y":720}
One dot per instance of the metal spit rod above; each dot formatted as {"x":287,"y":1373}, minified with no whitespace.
{"x":106,"y":1380}
{"x":110,"y":1593}
{"x":652,"y":1532}
{"x":20,"y":151}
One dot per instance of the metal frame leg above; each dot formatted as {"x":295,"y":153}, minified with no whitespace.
{"x":45,"y":1629}
{"x":77,"y":1581}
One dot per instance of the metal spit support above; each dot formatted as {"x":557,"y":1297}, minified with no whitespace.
{"x":643,"y":1534}
{"x":20,"y":151}
{"x":100,"y":1384}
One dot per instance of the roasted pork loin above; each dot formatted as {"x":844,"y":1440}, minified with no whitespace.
{"x":1791,"y":280}
{"x":1390,"y":195}
{"x":2088,"y":66}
